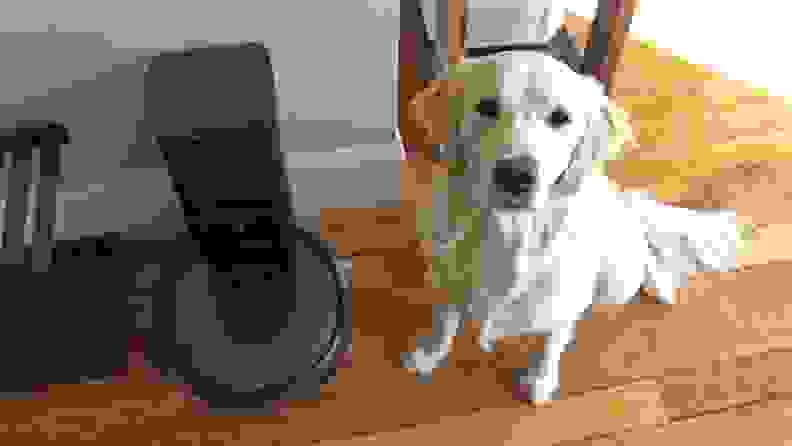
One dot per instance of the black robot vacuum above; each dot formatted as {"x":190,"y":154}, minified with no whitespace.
{"x":261,"y":312}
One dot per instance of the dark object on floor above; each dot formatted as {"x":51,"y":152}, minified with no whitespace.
{"x":64,"y":316}
{"x":18,"y":144}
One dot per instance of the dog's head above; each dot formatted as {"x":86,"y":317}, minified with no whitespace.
{"x":531,"y":128}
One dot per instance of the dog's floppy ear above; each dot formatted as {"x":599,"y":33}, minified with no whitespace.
{"x":593,"y":146}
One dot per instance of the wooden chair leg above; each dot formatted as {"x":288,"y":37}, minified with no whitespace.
{"x":607,"y":38}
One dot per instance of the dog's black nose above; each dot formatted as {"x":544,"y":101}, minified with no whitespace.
{"x":515,"y":176}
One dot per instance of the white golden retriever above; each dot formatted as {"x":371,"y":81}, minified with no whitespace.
{"x":555,"y":238}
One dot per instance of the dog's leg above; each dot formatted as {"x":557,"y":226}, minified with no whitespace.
{"x":661,"y":279}
{"x":541,"y":384}
{"x":487,"y":333}
{"x":621,"y":278}
{"x":432,"y":350}
{"x":662,"y":282}
{"x":486,"y":339}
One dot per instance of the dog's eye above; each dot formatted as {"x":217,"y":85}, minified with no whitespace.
{"x":488,"y":107}
{"x":559,"y":117}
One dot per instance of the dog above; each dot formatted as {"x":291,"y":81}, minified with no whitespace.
{"x":554,"y":238}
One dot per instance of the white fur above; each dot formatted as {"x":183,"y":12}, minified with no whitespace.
{"x":544,"y":265}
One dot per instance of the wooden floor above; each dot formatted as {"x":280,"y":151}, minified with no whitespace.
{"x":715,"y":367}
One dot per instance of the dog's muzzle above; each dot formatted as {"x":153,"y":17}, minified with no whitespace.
{"x":516,"y":177}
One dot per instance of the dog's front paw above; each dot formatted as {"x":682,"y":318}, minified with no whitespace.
{"x":422,"y":362}
{"x":545,"y":391}
{"x":486,"y":338}
{"x":539,"y":391}
{"x":487,"y":345}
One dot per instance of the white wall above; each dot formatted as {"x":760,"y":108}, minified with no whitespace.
{"x":81,"y":62}
{"x":334,"y":58}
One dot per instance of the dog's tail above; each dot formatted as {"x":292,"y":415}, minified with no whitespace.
{"x":683,"y":241}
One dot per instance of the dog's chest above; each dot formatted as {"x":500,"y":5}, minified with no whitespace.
{"x":538,"y":249}
{"x":519,"y":253}
{"x":551,"y":274}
